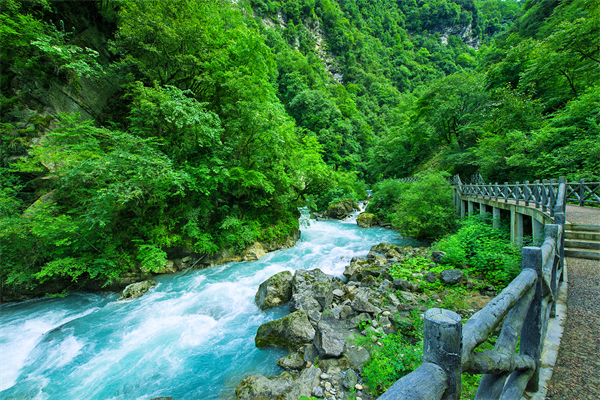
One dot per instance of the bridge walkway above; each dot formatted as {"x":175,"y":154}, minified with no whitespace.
{"x":576,"y":374}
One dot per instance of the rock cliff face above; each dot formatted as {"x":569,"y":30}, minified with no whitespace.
{"x":464,"y":32}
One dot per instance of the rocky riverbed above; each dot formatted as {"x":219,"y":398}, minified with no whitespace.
{"x":329,"y":314}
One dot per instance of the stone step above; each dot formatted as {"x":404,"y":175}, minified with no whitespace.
{"x":593,"y":236}
{"x":587,"y":254}
{"x":580,"y":244}
{"x":582,"y":228}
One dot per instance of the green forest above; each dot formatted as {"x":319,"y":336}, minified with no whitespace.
{"x":130,"y":128}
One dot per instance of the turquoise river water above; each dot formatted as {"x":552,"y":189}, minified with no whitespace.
{"x":190,"y":337}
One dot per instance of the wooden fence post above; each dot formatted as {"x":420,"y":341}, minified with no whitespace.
{"x":442,"y":345}
{"x":532,"y":333}
{"x":581,"y":192}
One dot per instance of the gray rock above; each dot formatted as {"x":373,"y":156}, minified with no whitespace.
{"x":407,"y":296}
{"x":401,"y":284}
{"x":452,"y":276}
{"x":361,"y":303}
{"x":438,"y":256}
{"x":350,"y":379}
{"x":338,"y":293}
{"x":383,"y":247}
{"x":291,"y":332}
{"x":303,"y":301}
{"x":330,"y":337}
{"x":304,"y":385}
{"x":293,"y":361}
{"x":318,"y":392}
{"x":313,"y":283}
{"x":356,"y":355}
{"x":254,"y":386}
{"x":275,"y":291}
{"x":355,"y":321}
{"x":310,"y":353}
{"x":431,"y":278}
{"x":136,"y":290}
{"x":385,"y":286}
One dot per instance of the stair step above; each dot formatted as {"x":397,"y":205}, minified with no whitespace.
{"x":587,"y":254}
{"x":580,"y":244}
{"x":582,"y":235}
{"x":582,"y":228}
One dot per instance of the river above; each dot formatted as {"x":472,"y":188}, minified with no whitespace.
{"x":190,"y":337}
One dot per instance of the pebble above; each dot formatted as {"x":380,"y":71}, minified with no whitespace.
{"x":308,"y":364}
{"x":327,"y":385}
{"x":358,"y":386}
{"x":359,"y":398}
{"x":325,"y":376}
{"x":386,"y":313}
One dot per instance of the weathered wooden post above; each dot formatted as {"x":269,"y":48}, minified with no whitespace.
{"x":517,"y":192}
{"x":496,"y":191}
{"x":532,"y":333}
{"x":536,"y":193}
{"x":506,"y":192}
{"x":544,"y":195}
{"x":462,"y":209}
{"x":470,"y":208}
{"x":442,"y":345}
{"x":482,"y":209}
{"x":526,"y":192}
{"x":581,"y":192}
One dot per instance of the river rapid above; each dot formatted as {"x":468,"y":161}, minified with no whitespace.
{"x":190,"y":337}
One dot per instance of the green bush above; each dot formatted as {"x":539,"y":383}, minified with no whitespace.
{"x":425,"y":209}
{"x":398,"y":355}
{"x":483,"y":249}
{"x":386,"y":194}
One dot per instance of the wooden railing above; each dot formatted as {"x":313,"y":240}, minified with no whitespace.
{"x":541,"y":194}
{"x":523,"y":309}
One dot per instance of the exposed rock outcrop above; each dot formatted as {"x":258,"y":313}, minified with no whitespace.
{"x":366,"y":220}
{"x":275,"y":291}
{"x":289,"y":332}
{"x":341,"y":209}
{"x":136,"y":290}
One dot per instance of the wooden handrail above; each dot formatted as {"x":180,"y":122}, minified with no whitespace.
{"x":522,"y":308}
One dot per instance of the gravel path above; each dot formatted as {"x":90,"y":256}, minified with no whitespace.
{"x":576,"y":375}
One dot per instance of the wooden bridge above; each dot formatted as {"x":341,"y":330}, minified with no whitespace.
{"x":523,"y":309}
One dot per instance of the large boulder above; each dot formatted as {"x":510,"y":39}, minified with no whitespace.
{"x":314,"y":284}
{"x":330,"y":337}
{"x":341,"y":209}
{"x":136,"y":290}
{"x":290,"y":332}
{"x":366,"y":220}
{"x":275,"y":291}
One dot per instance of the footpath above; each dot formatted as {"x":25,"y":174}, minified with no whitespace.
{"x":576,"y":374}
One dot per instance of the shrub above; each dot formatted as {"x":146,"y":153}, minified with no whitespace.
{"x":484,"y":249}
{"x":425,"y":209}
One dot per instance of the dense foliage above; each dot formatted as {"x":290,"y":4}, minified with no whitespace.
{"x":483,"y":250}
{"x":204,"y":124}
{"x":420,"y":209}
